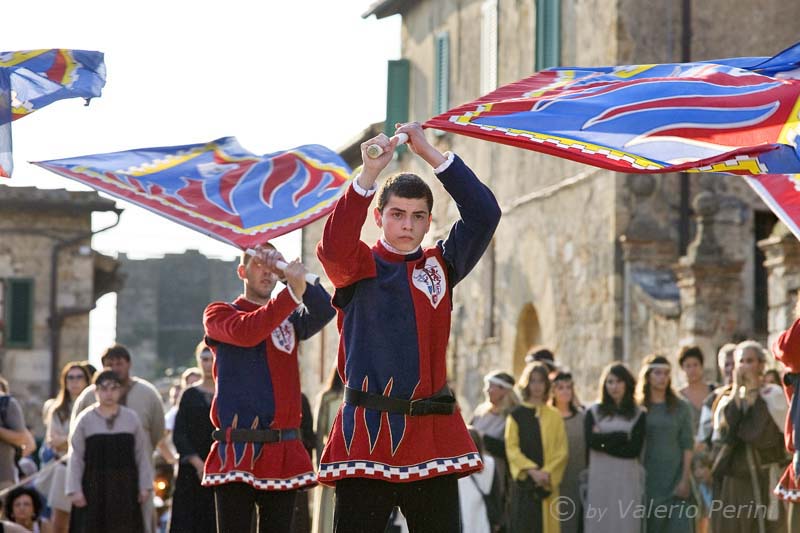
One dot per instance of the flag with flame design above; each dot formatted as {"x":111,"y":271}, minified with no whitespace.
{"x":737,"y":115}
{"x":32,"y":79}
{"x":218,"y":188}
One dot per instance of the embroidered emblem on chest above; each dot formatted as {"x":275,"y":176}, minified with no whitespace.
{"x":283,"y":337}
{"x":431,"y":281}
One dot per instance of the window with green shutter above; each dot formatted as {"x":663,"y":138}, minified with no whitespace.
{"x":396,"y":94}
{"x":19,"y":313}
{"x":441,"y":88}
{"x":548,"y":34}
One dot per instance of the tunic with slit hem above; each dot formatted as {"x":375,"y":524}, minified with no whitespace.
{"x":258,"y":387}
{"x":394,"y":314}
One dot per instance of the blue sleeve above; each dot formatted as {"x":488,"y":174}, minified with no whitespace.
{"x":479,"y":215}
{"x":319,"y":312}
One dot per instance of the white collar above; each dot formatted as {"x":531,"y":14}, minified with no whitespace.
{"x":394,"y":250}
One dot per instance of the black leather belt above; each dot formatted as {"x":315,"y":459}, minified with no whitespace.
{"x":442,"y":403}
{"x":255,"y":435}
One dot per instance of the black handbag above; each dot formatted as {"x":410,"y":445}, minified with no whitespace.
{"x":530,"y":488}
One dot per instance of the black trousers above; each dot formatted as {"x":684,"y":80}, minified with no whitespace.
{"x":430,"y":505}
{"x":235,"y":503}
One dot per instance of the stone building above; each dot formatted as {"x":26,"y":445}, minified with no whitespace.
{"x":599,"y":266}
{"x":160,"y":309}
{"x":50,"y":278}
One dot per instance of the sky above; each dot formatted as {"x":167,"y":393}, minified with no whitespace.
{"x":273,"y":74}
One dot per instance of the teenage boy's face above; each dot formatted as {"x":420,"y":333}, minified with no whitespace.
{"x":108,"y":393}
{"x":404,"y":222}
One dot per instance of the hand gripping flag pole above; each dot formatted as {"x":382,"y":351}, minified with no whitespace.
{"x":310,"y":278}
{"x":374,"y":150}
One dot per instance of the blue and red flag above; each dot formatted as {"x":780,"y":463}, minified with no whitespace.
{"x":32,"y":79}
{"x":219,"y":188}
{"x":735,"y":115}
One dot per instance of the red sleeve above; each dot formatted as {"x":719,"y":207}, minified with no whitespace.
{"x":787,"y":348}
{"x":345,"y":258}
{"x":225,"y":323}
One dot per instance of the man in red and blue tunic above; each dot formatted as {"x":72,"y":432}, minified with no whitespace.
{"x":257,"y":458}
{"x":399,"y":438}
{"x":787,"y":350}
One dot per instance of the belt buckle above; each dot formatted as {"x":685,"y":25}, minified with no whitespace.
{"x":280,"y":435}
{"x":413,"y":405}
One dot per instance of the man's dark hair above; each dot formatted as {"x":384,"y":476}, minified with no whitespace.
{"x":404,"y":185}
{"x":690,"y":351}
{"x":115,"y":351}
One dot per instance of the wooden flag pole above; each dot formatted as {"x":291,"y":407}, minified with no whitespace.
{"x":310,"y":278}
{"x":374,"y":150}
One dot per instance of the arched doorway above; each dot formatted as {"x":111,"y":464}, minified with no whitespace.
{"x":528,"y":334}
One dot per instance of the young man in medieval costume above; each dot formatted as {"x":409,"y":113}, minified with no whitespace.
{"x":787,"y":350}
{"x":257,"y":460}
{"x":399,"y":439}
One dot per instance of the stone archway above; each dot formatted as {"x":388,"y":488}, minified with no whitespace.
{"x":529,"y":333}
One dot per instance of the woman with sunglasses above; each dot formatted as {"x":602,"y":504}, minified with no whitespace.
{"x":74,"y":378}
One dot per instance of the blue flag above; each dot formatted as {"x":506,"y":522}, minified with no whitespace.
{"x":32,"y":79}
{"x":219,"y":188}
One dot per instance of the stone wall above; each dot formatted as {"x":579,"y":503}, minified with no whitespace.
{"x":26,"y":245}
{"x":160,"y":309}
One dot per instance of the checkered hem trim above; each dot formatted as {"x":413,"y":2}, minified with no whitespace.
{"x":787,"y":494}
{"x":303,"y":480}
{"x":435,"y":467}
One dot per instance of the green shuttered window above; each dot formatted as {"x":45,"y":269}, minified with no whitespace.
{"x":19,"y":313}
{"x":548,"y":34}
{"x":396,"y":95}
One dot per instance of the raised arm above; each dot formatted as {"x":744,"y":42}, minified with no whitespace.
{"x":479,"y":215}
{"x":225,"y":323}
{"x":344,"y":257}
{"x":318,"y":312}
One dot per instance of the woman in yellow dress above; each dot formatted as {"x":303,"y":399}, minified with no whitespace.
{"x":536,"y":446}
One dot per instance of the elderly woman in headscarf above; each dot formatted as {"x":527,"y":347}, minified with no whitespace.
{"x":489,"y":420}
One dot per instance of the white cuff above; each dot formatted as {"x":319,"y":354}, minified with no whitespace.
{"x":361,"y":190}
{"x":444,"y":166}
{"x":297,"y":300}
